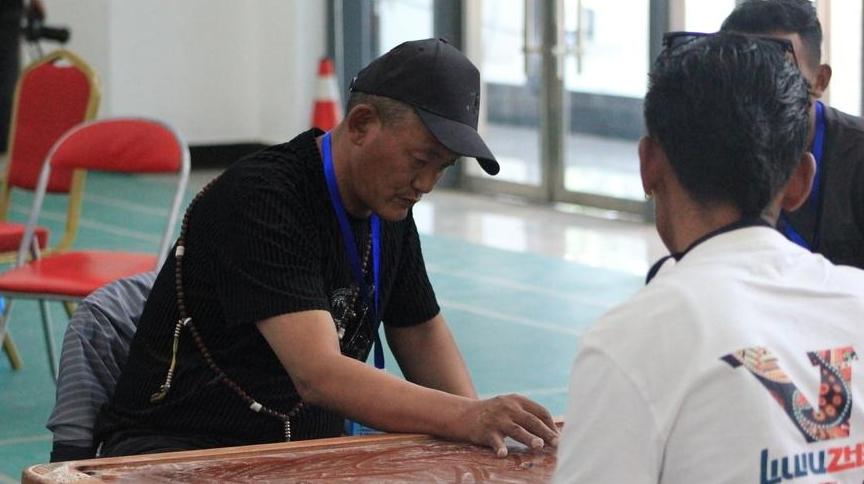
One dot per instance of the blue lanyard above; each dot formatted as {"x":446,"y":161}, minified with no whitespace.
{"x":351,"y":245}
{"x":815,"y":201}
{"x":818,"y":148}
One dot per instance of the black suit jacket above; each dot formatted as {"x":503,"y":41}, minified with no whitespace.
{"x":841,"y":225}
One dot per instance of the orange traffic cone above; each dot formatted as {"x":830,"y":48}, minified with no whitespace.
{"x":328,"y":108}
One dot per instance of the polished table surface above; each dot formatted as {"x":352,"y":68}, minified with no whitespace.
{"x":372,"y":458}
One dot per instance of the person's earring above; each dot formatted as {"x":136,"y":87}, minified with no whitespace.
{"x":649,"y":195}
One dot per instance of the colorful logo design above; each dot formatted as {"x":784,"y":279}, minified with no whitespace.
{"x":831,"y":419}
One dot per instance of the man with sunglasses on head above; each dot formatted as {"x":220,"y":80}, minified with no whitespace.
{"x":832,"y":220}
{"x":737,"y":362}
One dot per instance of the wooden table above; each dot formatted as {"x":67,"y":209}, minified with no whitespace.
{"x":372,"y":458}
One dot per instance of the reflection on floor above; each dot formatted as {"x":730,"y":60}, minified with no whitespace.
{"x":518,"y":283}
{"x":552,"y":231}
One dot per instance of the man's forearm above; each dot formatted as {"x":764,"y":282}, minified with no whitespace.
{"x":383,"y":401}
{"x":307,"y":345}
{"x":428,"y":356}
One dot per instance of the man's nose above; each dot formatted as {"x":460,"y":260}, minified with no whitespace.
{"x":426,"y":179}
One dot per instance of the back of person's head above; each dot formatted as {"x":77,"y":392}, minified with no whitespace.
{"x":730,"y":112}
{"x":779,"y":16}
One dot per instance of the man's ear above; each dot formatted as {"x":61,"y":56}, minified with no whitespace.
{"x":651,"y":156}
{"x":360,"y":121}
{"x":823,"y":78}
{"x":798,"y":187}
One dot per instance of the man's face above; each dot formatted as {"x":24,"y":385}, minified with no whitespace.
{"x":399,"y":165}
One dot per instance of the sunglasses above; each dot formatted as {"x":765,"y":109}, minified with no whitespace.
{"x":675,"y":40}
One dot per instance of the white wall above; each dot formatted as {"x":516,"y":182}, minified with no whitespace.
{"x":292,"y":42}
{"x":221,"y":71}
{"x":88,"y":20}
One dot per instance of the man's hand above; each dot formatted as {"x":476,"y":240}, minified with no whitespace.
{"x":308,"y":347}
{"x":488,"y":422}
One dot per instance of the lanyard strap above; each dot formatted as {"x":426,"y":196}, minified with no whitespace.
{"x":351,"y":246}
{"x":743,"y":223}
{"x":818,"y":148}
{"x":814,"y":202}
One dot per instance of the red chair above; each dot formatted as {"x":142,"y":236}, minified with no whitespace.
{"x":53,"y":94}
{"x":127,"y":145}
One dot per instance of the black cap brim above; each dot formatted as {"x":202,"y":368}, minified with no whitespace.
{"x":460,"y":139}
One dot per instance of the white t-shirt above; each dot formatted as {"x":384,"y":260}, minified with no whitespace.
{"x":708,"y":374}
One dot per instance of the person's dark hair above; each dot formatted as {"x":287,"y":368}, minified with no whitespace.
{"x":769,"y":16}
{"x":391,"y":111}
{"x":731,"y":114}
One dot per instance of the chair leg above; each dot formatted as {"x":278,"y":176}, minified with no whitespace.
{"x":49,"y":337}
{"x":12,"y":352}
{"x":8,"y":345}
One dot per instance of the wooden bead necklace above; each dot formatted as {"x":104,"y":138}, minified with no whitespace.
{"x":185,"y":321}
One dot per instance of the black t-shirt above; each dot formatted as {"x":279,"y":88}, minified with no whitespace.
{"x":262,"y":241}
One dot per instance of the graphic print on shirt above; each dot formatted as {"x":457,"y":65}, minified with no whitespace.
{"x":831,"y":419}
{"x":349,"y":313}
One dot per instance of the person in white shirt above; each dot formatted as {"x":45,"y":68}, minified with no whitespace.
{"x":738,"y":361}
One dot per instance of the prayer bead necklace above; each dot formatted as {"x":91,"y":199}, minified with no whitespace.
{"x":185,"y":321}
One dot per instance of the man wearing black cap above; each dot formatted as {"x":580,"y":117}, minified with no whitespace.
{"x":257,"y":329}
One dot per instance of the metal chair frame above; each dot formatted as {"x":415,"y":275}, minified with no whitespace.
{"x":28,"y":253}
{"x":77,"y":184}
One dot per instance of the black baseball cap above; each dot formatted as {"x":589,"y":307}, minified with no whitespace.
{"x":442,"y":86}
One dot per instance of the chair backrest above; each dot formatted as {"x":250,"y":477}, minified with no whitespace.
{"x":52,"y":95}
{"x":128,"y":145}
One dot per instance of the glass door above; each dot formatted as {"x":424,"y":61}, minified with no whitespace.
{"x":607,"y":48}
{"x":507,"y":40}
{"x":605,"y":70}
{"x":563,"y":82}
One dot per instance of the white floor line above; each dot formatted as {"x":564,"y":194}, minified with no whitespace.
{"x":24,"y":440}
{"x":485,"y":313}
{"x":127,"y":205}
{"x":585,"y":301}
{"x":98,"y":226}
{"x":123,"y":232}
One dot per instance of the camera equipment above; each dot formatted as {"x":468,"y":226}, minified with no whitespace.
{"x":34,"y":28}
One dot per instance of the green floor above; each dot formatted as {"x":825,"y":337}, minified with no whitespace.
{"x":517,"y":317}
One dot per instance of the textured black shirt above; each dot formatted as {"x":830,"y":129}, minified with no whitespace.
{"x":263,"y":241}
